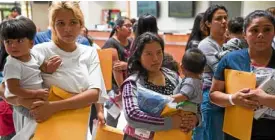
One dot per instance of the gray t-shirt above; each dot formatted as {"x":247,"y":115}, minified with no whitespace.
{"x":210,"y":48}
{"x":192,"y":89}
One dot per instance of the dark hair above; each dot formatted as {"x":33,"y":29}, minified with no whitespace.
{"x":209,"y":13}
{"x":170,"y":63}
{"x":271,"y":10}
{"x":146,"y":23}
{"x":256,"y":14}
{"x":196,"y":33}
{"x":194,"y":60}
{"x":15,"y":29}
{"x":16,"y":9}
{"x":3,"y":56}
{"x":133,"y":20}
{"x":134,"y":64}
{"x":135,"y":26}
{"x":235,"y":25}
{"x":119,"y":22}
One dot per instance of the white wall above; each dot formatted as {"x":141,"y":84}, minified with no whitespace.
{"x":92,"y":11}
{"x":166,"y":23}
{"x":250,"y":6}
{"x":40,"y":15}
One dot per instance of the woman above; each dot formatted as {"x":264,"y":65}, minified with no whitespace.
{"x":197,"y":33}
{"x":146,"y":23}
{"x":259,"y":31}
{"x":215,"y":19}
{"x":80,"y":72}
{"x":120,"y":45}
{"x":145,"y":71}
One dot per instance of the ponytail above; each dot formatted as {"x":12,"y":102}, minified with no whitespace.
{"x":113,"y":31}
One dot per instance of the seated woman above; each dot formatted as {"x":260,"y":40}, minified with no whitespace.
{"x":259,"y":32}
{"x":145,"y":71}
{"x":119,"y":43}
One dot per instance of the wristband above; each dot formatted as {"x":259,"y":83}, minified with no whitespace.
{"x":230,"y":100}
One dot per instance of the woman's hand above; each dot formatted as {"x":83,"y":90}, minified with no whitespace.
{"x":42,"y":110}
{"x":120,"y":65}
{"x":100,"y":117}
{"x":259,"y":95}
{"x":26,"y":102}
{"x":241,"y":98}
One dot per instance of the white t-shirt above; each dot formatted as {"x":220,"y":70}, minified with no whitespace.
{"x":28,"y":73}
{"x":80,"y":70}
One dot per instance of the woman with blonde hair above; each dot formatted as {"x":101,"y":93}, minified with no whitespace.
{"x":80,"y":72}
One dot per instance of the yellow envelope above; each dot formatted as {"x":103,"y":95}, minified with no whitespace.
{"x":105,"y":57}
{"x":238,"y":120}
{"x":105,"y":132}
{"x":175,"y":134}
{"x":64,"y":125}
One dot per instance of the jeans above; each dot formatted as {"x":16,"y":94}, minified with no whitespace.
{"x":212,"y":121}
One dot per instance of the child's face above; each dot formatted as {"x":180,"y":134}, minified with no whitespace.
{"x":152,"y":57}
{"x":67,"y":27}
{"x":259,"y":34}
{"x":18,"y":48}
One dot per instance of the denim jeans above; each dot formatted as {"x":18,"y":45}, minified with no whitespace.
{"x":212,"y":121}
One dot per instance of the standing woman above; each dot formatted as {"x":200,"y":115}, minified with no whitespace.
{"x":259,"y":28}
{"x":80,"y":72}
{"x":215,"y":19}
{"x":146,"y":71}
{"x":120,"y":43}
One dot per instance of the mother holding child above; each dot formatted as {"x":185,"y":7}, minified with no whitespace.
{"x":64,"y":63}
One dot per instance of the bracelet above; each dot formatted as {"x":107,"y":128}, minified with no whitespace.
{"x":230,"y":100}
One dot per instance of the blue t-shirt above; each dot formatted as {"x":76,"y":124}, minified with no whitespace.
{"x":240,"y":60}
{"x":45,"y":36}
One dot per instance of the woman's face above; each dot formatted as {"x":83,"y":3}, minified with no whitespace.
{"x":126,"y":28}
{"x":218,"y":25}
{"x":259,"y":34}
{"x":152,"y":57}
{"x":67,"y":27}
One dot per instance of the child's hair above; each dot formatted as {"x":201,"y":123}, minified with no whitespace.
{"x":257,"y":14}
{"x":194,"y":60}
{"x":15,"y":29}
{"x":134,"y":64}
{"x":235,"y":25}
{"x":170,"y":63}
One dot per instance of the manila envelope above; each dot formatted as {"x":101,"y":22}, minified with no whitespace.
{"x":175,"y":134}
{"x":238,"y":120}
{"x":64,"y":125}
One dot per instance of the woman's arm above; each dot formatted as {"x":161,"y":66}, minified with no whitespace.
{"x":139,"y":119}
{"x":118,"y":74}
{"x":218,"y":97}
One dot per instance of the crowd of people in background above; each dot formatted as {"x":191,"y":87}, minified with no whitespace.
{"x":65,"y":55}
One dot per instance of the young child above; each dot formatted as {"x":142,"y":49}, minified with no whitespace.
{"x":22,"y":70}
{"x":236,"y":38}
{"x":190,"y":88}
